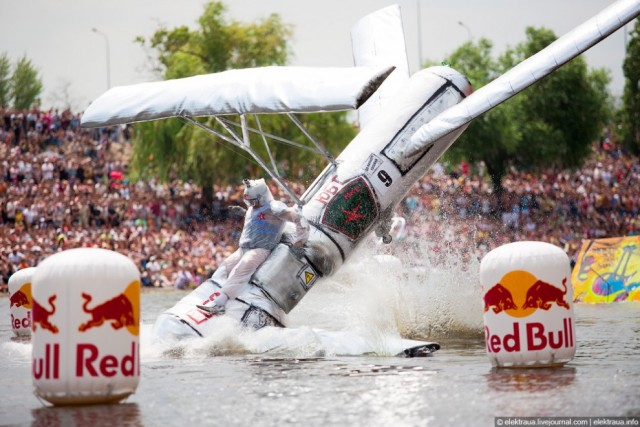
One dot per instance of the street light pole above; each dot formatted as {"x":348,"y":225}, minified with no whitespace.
{"x":106,"y":39}
{"x":466,"y":28}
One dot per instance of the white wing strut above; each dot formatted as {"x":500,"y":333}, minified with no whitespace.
{"x":526,"y":73}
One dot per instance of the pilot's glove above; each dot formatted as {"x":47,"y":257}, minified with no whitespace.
{"x":237,"y":210}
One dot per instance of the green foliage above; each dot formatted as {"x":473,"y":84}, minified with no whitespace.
{"x":493,"y":137}
{"x":26,"y":86}
{"x":631,"y":97}
{"x":173,"y":148}
{"x":5,"y":79}
{"x":552,"y":123}
{"x":563,"y":114}
{"x":21,"y":88}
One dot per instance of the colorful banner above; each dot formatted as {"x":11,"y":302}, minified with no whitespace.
{"x":608,"y":270}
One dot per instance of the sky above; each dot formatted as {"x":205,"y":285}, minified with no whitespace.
{"x":57,"y":36}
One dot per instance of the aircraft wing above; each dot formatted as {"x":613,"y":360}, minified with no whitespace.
{"x":251,"y":90}
{"x":526,"y":73}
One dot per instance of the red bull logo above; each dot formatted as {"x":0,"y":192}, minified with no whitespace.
{"x":519,"y":294}
{"x":21,"y":297}
{"x":41,"y":315}
{"x":118,"y":311}
{"x":121,"y":311}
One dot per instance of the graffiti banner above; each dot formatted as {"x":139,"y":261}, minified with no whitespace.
{"x":608,"y":270}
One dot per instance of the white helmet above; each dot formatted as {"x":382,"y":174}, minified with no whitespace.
{"x":256,"y":191}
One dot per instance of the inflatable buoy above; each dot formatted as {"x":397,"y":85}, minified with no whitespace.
{"x":528,"y":305}
{"x":20,"y":301}
{"x":86,"y":327}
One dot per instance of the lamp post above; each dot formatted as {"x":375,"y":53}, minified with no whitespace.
{"x":466,"y":28}
{"x":106,"y":39}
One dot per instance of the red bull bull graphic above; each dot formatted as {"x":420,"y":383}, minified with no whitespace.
{"x":118,"y":311}
{"x":542,"y":294}
{"x":520,"y":293}
{"x":41,"y":315}
{"x":499,"y":299}
{"x":20,"y":298}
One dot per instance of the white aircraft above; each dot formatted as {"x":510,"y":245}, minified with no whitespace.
{"x":407,"y":123}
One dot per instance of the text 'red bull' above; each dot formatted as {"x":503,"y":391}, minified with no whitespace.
{"x":89,"y":362}
{"x":536,"y":337}
{"x":47,"y":367}
{"x":21,"y":323}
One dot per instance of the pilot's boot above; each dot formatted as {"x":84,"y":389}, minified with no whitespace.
{"x":216,"y":306}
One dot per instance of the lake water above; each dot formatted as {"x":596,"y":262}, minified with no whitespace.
{"x":237,"y":379}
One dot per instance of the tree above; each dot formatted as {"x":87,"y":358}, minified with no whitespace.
{"x":170,"y":148}
{"x":562,"y":115}
{"x":552,"y":123}
{"x":26,"y":85}
{"x":5,"y":80}
{"x":493,"y":137}
{"x":631,"y":96}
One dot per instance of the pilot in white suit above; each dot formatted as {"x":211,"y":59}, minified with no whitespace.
{"x":264,"y":223}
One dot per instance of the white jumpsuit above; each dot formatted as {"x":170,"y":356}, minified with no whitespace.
{"x":262,"y":231}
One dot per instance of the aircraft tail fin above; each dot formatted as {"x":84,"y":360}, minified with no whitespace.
{"x":378,"y":39}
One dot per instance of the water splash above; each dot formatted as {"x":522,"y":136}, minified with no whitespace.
{"x":17,"y":349}
{"x":381,"y":298}
{"x":404,"y":288}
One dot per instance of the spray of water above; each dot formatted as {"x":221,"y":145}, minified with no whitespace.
{"x":403,"y":288}
{"x":383,"y":296}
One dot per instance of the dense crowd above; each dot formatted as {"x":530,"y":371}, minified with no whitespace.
{"x":459,"y":214}
{"x":64,"y":187}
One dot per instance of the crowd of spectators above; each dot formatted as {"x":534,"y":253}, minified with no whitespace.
{"x":459,"y":213}
{"x":64,"y":187}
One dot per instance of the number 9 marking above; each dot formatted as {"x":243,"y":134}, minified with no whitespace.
{"x":385,"y":178}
